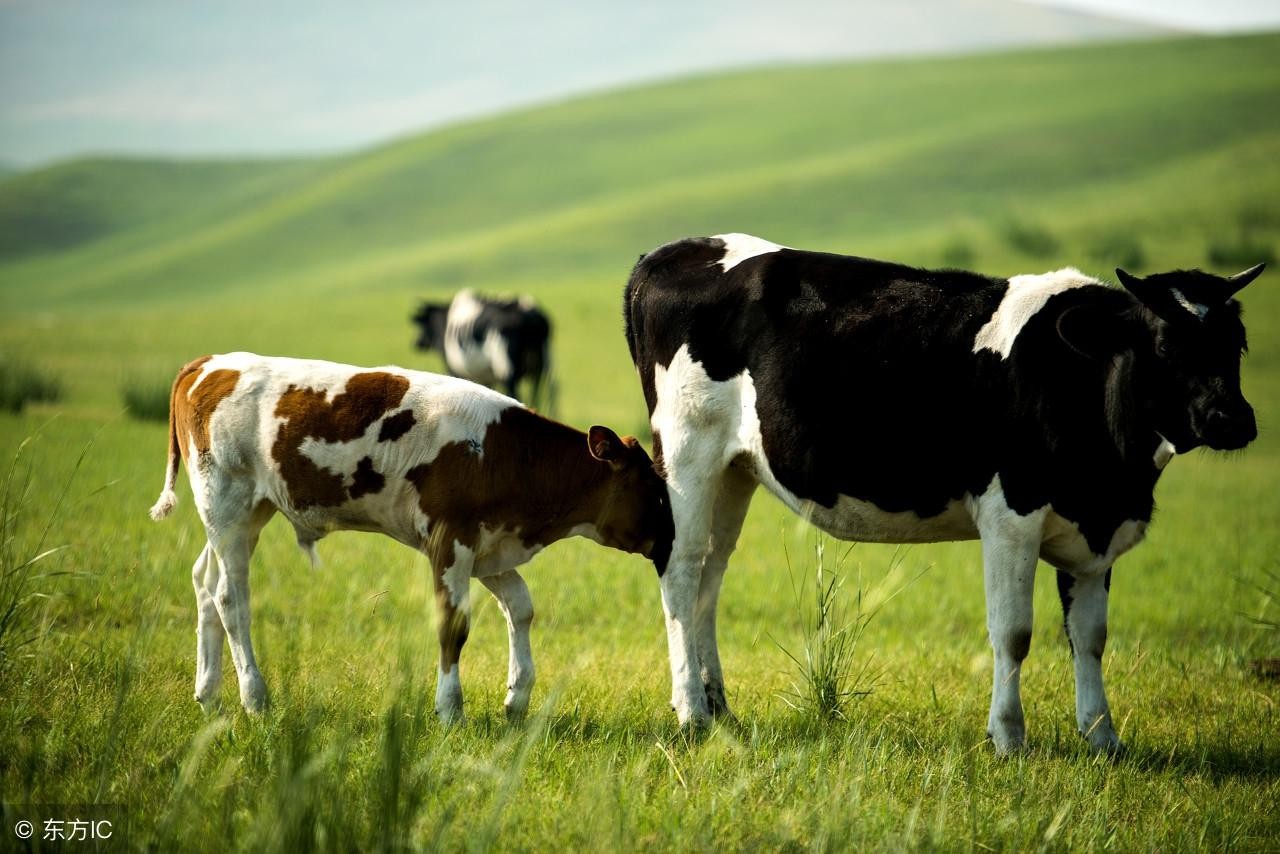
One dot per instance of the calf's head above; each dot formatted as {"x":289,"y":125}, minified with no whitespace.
{"x":1191,"y":361}
{"x":634,"y":511}
{"x":430,"y":320}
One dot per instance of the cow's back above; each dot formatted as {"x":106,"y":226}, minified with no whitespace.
{"x":863,"y":373}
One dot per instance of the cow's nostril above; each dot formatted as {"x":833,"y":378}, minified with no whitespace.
{"x":1217,"y":418}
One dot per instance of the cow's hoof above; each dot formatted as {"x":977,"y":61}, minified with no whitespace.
{"x":1008,"y":743}
{"x":253,"y":695}
{"x":450,"y":716}
{"x":717,"y":705}
{"x":1105,"y":743}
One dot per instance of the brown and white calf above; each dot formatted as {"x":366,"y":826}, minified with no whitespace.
{"x":465,"y":475}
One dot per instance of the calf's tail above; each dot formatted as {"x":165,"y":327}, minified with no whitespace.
{"x":168,"y":497}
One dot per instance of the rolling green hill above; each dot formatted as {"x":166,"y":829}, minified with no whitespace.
{"x":1140,"y":154}
{"x":876,"y":157}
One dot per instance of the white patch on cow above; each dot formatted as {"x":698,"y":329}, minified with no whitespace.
{"x":501,"y":550}
{"x":1194,"y":307}
{"x":457,"y":577}
{"x":739,"y":247}
{"x":498,"y":357}
{"x":1164,"y":453}
{"x":462,"y":353}
{"x":1066,"y":548}
{"x":1025,"y":296}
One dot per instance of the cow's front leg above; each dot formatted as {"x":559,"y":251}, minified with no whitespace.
{"x":1084,"y":613}
{"x":1010,"y":549}
{"x":517,"y":606}
{"x":731,"y":505}
{"x":691,"y":512}
{"x":452,"y":570}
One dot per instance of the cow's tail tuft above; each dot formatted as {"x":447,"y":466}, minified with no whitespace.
{"x":168,"y":497}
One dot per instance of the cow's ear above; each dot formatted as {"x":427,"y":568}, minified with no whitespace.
{"x":606,"y":446}
{"x":1091,"y":331}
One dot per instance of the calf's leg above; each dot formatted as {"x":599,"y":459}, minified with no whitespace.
{"x":233,"y":551}
{"x":1084,"y":613}
{"x":210,"y":634}
{"x":453,"y":608}
{"x":517,"y":606}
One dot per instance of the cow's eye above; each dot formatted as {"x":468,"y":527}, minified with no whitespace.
{"x":1163,"y":350}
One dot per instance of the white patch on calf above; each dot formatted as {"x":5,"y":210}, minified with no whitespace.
{"x":1164,"y":453}
{"x":1025,"y":296}
{"x":739,"y":247}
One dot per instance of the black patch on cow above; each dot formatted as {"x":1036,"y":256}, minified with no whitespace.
{"x":395,"y":426}
{"x":1065,"y":582}
{"x":367,"y":480}
{"x":1020,"y":645}
{"x":878,"y":394}
{"x":1106,"y":582}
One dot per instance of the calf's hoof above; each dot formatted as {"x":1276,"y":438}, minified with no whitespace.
{"x":516,"y":705}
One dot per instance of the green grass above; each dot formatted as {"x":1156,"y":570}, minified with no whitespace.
{"x":1167,"y":147}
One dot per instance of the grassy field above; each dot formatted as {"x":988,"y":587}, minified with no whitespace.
{"x":1157,"y":156}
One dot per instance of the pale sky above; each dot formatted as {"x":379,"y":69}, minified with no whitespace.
{"x":251,"y":78}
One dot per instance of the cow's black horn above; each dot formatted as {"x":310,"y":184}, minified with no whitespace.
{"x":1239,"y":280}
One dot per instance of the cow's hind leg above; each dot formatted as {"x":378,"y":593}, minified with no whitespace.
{"x":517,"y":606}
{"x":736,"y":488}
{"x":453,"y":607}
{"x":210,"y":634}
{"x":1010,"y":549}
{"x":1084,"y":613}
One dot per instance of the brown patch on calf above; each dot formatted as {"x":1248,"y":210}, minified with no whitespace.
{"x":196,"y":396}
{"x":530,"y":474}
{"x":308,"y":413}
{"x":395,"y":426}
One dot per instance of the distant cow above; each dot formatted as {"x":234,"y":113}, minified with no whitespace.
{"x":891,"y":404}
{"x":488,"y":341}
{"x":465,"y":475}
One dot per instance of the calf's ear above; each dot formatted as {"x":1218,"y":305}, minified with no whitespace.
{"x":606,"y":446}
{"x":1092,"y":332}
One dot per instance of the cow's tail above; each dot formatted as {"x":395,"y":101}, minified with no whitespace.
{"x":168,"y":497}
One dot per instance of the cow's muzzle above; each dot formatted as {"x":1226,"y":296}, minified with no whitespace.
{"x":1229,"y":428}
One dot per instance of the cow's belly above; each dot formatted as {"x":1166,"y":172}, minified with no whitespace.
{"x":863,"y":521}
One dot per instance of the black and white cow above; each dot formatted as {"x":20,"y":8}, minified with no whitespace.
{"x":488,"y":341}
{"x":891,"y":404}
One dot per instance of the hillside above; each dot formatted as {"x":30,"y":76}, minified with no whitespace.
{"x":1159,"y":154}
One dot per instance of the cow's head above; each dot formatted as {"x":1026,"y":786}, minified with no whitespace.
{"x":1191,"y":362}
{"x":430,"y":319}
{"x":635,"y":513}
